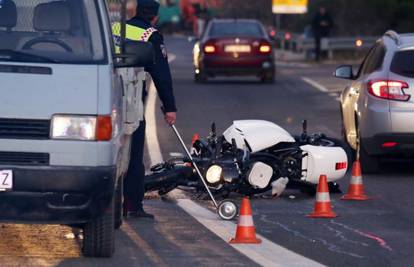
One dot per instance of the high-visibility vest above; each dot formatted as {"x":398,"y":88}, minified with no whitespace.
{"x":132,"y":33}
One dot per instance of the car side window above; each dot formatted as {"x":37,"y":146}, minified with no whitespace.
{"x":378,"y":58}
{"x":364,"y":63}
{"x":374,"y":60}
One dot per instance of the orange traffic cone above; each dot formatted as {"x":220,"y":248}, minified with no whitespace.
{"x":246,"y":232}
{"x":323,"y":208}
{"x":356,"y":187}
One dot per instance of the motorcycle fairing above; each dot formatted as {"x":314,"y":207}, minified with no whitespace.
{"x":322,"y":160}
{"x":256,"y":135}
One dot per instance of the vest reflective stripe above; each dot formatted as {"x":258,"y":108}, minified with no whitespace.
{"x":132,"y":33}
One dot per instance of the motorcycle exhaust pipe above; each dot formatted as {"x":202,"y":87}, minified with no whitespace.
{"x":167,"y":179}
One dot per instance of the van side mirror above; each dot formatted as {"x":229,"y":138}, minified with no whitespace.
{"x":136,"y":54}
{"x":344,"y":72}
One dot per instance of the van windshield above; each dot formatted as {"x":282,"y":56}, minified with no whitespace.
{"x":50,"y":31}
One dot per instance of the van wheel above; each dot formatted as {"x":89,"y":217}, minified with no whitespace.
{"x":118,"y":203}
{"x":98,"y":235}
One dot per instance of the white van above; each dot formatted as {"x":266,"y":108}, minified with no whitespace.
{"x":64,"y":129}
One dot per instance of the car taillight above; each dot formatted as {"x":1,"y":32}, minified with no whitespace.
{"x":210,"y":47}
{"x":391,"y":90}
{"x":341,"y":166}
{"x":264,"y":48}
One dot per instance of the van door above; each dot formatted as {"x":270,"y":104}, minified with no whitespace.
{"x":132,"y":79}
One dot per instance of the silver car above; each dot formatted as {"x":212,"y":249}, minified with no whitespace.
{"x":378,"y":107}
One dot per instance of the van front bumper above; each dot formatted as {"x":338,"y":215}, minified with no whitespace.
{"x":61,"y":195}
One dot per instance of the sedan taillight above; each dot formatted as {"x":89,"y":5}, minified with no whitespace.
{"x":264,"y":48}
{"x":210,"y":47}
{"x":391,"y":90}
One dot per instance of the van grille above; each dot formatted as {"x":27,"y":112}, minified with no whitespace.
{"x":24,"y":158}
{"x":24,"y":129}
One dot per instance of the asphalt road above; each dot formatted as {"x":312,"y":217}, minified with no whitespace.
{"x":379,"y":232}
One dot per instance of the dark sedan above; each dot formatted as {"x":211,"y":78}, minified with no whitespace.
{"x":233,"y":47}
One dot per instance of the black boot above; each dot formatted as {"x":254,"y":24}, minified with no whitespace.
{"x":140,"y":214}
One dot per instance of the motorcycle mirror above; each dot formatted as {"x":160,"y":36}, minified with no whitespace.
{"x":234,"y":145}
{"x":305,"y":126}
{"x":213,"y":129}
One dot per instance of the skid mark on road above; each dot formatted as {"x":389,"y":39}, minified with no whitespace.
{"x":377,"y":239}
{"x":341,"y":235}
{"x":296,"y":233}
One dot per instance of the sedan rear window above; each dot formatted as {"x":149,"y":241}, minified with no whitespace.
{"x":232,"y":29}
{"x":403,"y":63}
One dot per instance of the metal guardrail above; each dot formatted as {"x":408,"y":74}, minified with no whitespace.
{"x":297,"y":43}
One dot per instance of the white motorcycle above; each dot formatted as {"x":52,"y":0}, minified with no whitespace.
{"x":251,"y":157}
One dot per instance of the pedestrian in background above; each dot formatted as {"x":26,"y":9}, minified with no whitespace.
{"x":201,"y":14}
{"x":322,"y":24}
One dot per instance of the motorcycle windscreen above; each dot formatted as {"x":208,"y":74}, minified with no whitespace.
{"x":329,"y":161}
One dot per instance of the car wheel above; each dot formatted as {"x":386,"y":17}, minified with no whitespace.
{"x":98,"y":235}
{"x":118,"y":203}
{"x":200,"y":77}
{"x":268,"y":77}
{"x":369,"y":164}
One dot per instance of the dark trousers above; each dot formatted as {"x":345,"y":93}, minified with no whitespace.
{"x":134,"y":188}
{"x":318,"y":48}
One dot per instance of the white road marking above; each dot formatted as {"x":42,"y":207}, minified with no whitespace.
{"x":265,"y":254}
{"x":321,"y":88}
{"x":151,"y":130}
{"x":316,"y":85}
{"x":280,"y":63}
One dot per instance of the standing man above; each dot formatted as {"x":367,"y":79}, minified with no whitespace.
{"x":321,"y":25}
{"x":140,"y":28}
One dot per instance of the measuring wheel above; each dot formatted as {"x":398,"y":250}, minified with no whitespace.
{"x":228,"y":210}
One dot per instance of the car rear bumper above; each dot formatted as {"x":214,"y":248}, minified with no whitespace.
{"x":63,"y":195}
{"x":238,"y":66}
{"x":399,"y":144}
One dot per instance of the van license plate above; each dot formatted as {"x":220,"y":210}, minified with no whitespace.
{"x":6,"y":180}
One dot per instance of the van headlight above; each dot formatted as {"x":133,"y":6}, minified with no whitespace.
{"x":74,"y":127}
{"x":214,"y":174}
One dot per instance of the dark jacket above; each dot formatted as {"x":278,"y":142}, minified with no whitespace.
{"x":320,"y":30}
{"x":160,"y":70}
